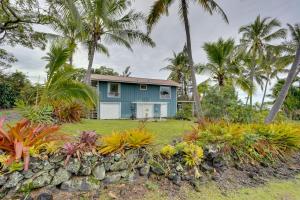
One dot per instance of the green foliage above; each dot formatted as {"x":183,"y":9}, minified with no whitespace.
{"x":185,"y":112}
{"x":130,"y":139}
{"x":68,"y":112}
{"x":253,"y":143}
{"x":7,"y":97}
{"x":15,"y":166}
{"x":168,"y":151}
{"x":41,"y":114}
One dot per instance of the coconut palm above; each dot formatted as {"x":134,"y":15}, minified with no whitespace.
{"x":256,"y":37}
{"x":295,"y":32}
{"x":160,"y":7}
{"x":110,"y":21}
{"x":223,"y":63}
{"x":61,"y":84}
{"x":180,"y":72}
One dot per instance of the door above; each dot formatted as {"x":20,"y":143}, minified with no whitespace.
{"x":145,"y":111}
{"x":164,"y":110}
{"x":110,"y":110}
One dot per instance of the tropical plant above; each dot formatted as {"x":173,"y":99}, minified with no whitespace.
{"x":110,"y":21}
{"x":295,"y":32}
{"x":69,"y":112}
{"x":126,"y":72}
{"x":168,"y":151}
{"x":20,"y":138}
{"x":180,"y":72}
{"x":139,"y":137}
{"x":160,"y":7}
{"x":256,"y":37}
{"x":116,"y":142}
{"x":224,"y":63}
{"x":60,"y":84}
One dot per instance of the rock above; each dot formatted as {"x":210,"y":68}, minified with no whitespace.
{"x":216,"y":177}
{"x":61,"y":175}
{"x":112,"y":178}
{"x":218,"y":162}
{"x":73,"y":166}
{"x":176,"y":179}
{"x":130,"y":158}
{"x":131,"y":177}
{"x":99,"y":172}
{"x":85,"y":169}
{"x":3,"y":179}
{"x":144,"y":171}
{"x":45,"y":196}
{"x":124,"y":174}
{"x":179,"y":167}
{"x":157,"y":169}
{"x":80,"y":184}
{"x":56,"y":158}
{"x":43,"y":180}
{"x":196,"y":185}
{"x":206,"y":167}
{"x":52,"y":172}
{"x":28,"y":174}
{"x":13,"y":180}
{"x":48,"y":166}
{"x":119,"y":166}
{"x":117,"y":157}
{"x":27,"y":197}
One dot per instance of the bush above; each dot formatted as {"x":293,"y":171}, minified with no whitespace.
{"x":37,"y":114}
{"x":7,"y":97}
{"x":119,"y":141}
{"x":18,"y":140}
{"x":252,"y":142}
{"x":68,"y":112}
{"x":168,"y":151}
{"x":185,"y":113}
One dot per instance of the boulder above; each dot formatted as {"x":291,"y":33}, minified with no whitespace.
{"x":73,"y":166}
{"x":112,"y":178}
{"x":119,"y":166}
{"x":80,"y":184}
{"x":99,"y":172}
{"x":28,"y":174}
{"x":45,"y":196}
{"x":13,"y":180}
{"x":3,"y":179}
{"x":56,"y":158}
{"x":144,"y":171}
{"x":85,"y":169}
{"x":61,"y":175}
{"x":43,"y":180}
{"x":157,"y":169}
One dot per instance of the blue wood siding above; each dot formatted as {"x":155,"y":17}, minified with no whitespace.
{"x":131,"y":93}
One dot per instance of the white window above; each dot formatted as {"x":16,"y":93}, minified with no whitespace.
{"x":143,"y":87}
{"x":113,"y":90}
{"x":165,"y":92}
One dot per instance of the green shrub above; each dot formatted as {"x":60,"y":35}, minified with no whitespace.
{"x":7,"y":97}
{"x":185,"y":113}
{"x":37,"y":114}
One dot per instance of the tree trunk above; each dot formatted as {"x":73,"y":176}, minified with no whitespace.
{"x":91,"y":54}
{"x":265,"y":92}
{"x":284,"y":90}
{"x":198,"y":111}
{"x":247,"y":100}
{"x":252,"y":88}
{"x":71,"y":59}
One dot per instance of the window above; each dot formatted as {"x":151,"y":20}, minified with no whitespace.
{"x":165,"y":92}
{"x":143,"y":87}
{"x":113,"y":90}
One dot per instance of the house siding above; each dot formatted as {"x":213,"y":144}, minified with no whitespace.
{"x":131,"y":93}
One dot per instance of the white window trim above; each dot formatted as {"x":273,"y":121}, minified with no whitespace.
{"x":143,"y":85}
{"x":108,"y":90}
{"x":165,"y":97}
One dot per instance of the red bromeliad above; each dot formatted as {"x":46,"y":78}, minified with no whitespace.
{"x":20,"y":138}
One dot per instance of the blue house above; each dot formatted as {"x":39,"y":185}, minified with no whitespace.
{"x":131,"y":97}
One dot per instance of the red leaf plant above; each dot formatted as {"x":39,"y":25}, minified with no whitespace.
{"x":18,"y":139}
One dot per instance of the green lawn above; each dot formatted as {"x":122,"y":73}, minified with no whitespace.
{"x":164,"y":131}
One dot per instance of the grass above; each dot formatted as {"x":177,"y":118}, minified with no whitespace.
{"x":274,"y":190}
{"x":164,"y":131}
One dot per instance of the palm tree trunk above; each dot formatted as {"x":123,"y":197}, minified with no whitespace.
{"x":284,"y":90}
{"x":264,"y":96}
{"x":91,"y":54}
{"x":71,"y":59}
{"x":247,"y":100}
{"x":252,"y":88}
{"x":190,"y":58}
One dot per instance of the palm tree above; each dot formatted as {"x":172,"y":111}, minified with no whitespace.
{"x":61,"y":84}
{"x":256,"y":38}
{"x":180,"y":72}
{"x":295,"y":32}
{"x":223,"y":63}
{"x":160,"y":7}
{"x":272,"y":63}
{"x":110,"y":21}
{"x":126,"y":72}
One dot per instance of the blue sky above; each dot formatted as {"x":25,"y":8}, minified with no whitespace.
{"x":169,"y":36}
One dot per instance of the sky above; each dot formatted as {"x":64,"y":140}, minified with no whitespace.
{"x":169,"y":36}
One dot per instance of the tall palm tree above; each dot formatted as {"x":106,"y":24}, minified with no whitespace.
{"x":180,"y":72}
{"x":223,"y":64}
{"x":160,"y":7}
{"x":295,"y":32}
{"x":61,"y":84}
{"x":256,"y":37}
{"x":110,"y":21}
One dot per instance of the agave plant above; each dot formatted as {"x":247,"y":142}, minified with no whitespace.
{"x":20,"y":138}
